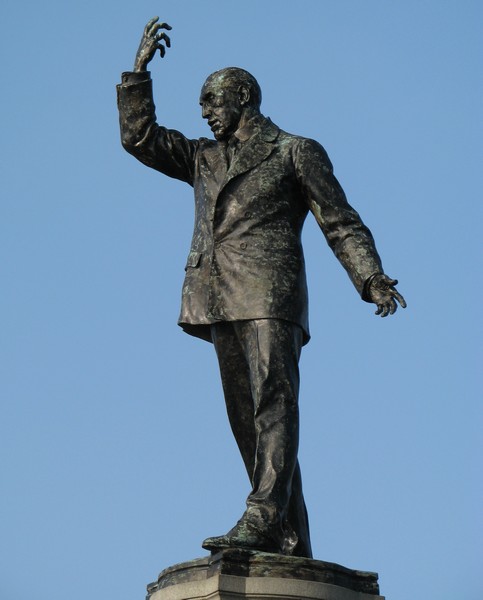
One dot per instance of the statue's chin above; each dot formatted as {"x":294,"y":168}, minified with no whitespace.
{"x":221,"y":134}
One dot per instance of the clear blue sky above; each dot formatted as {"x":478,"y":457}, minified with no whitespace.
{"x":116,"y":457}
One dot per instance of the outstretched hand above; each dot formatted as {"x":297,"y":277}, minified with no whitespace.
{"x":151,"y":42}
{"x":383,"y":293}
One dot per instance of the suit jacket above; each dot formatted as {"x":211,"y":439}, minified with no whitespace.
{"x":246,"y":259}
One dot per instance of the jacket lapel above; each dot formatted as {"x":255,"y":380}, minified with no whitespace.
{"x":214,"y":168}
{"x":253,"y":151}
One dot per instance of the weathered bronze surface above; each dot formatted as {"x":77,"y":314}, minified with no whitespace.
{"x":246,"y":563}
{"x":245,"y":286}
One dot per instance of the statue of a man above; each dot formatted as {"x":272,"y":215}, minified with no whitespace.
{"x":245,"y":287}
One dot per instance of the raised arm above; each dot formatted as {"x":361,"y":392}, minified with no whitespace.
{"x":165,"y":150}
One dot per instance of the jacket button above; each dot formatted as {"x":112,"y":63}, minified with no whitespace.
{"x":243,"y":245}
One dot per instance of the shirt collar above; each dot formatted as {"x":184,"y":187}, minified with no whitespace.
{"x":249,"y":129}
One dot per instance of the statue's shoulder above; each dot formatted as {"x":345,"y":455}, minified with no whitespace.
{"x":304,"y":149}
{"x":294,"y":138}
{"x":207,"y":144}
{"x":286,"y":137}
{"x":208,"y":148}
{"x":273,"y":133}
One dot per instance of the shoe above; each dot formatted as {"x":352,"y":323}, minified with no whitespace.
{"x":245,"y":535}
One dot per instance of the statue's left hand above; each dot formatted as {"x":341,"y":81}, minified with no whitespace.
{"x":383,"y":293}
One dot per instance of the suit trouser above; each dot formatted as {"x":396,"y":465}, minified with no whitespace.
{"x":258,"y":362}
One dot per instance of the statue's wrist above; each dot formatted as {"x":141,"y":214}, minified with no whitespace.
{"x":367,"y":290}
{"x":139,"y":68}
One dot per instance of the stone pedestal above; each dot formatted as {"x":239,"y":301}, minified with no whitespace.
{"x":235,"y":574}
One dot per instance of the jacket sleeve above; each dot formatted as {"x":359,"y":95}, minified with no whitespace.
{"x":165,"y":150}
{"x":348,"y":237}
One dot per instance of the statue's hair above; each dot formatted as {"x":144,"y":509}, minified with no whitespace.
{"x":233,"y":77}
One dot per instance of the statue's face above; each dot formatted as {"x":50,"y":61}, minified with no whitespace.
{"x":221,"y":106}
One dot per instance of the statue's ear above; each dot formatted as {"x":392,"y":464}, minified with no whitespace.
{"x":244,"y":95}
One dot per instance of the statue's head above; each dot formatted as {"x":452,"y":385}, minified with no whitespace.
{"x":225,"y":96}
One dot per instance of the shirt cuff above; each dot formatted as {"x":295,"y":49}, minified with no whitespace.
{"x":366,"y":295}
{"x":130,"y":77}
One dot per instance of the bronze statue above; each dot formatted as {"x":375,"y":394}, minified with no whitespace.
{"x":245,"y":287}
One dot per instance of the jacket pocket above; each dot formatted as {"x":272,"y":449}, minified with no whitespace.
{"x":194,"y":259}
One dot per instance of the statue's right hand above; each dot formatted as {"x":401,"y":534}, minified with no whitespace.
{"x":150,"y":43}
